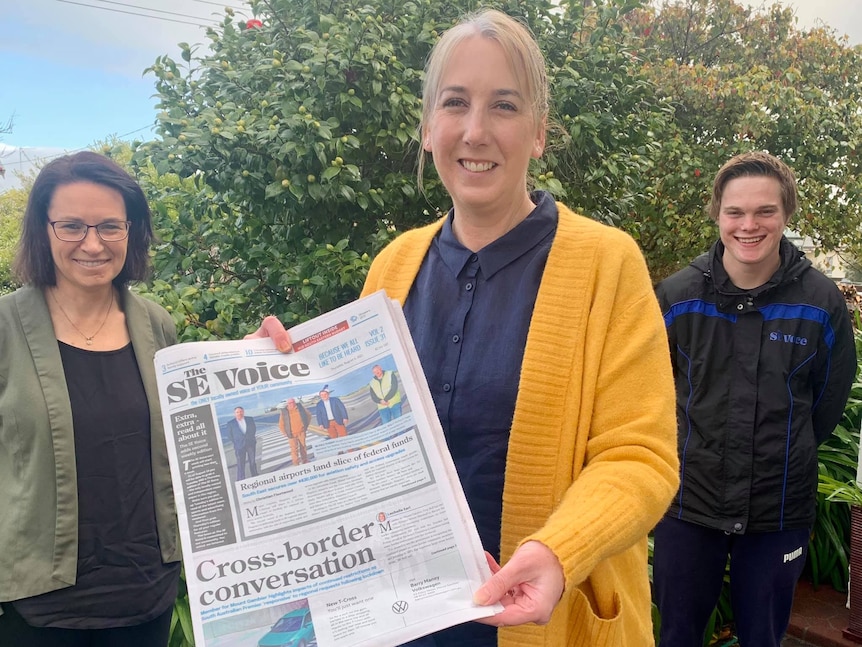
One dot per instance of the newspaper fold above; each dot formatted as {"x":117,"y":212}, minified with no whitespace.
{"x":317,"y":500}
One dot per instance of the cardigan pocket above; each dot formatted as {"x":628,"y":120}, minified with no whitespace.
{"x":588,"y":628}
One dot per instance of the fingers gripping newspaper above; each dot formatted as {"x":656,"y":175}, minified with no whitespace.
{"x":317,"y":500}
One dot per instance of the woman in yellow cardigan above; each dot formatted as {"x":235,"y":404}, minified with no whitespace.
{"x":546,"y":356}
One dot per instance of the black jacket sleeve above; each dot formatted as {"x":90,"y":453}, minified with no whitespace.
{"x":837,"y":371}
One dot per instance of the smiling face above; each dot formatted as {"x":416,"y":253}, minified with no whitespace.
{"x":751,"y":221}
{"x":482,"y":131}
{"x":90,"y":263}
{"x":239,"y":413}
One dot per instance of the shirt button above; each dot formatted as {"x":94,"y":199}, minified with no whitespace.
{"x":737,"y":526}
{"x":474,"y":258}
{"x":739,"y":306}
{"x":468,"y":287}
{"x":447,"y":388}
{"x":456,"y":338}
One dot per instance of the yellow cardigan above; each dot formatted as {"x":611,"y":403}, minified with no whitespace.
{"x":592,"y":461}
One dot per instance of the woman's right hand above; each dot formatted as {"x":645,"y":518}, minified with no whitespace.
{"x":271,"y":327}
{"x":528,"y":586}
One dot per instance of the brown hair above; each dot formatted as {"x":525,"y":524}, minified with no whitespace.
{"x":34,"y":263}
{"x":755,"y":164}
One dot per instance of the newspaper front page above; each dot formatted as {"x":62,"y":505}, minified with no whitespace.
{"x":317,"y":500}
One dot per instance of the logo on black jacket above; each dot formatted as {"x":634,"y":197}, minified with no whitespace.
{"x":788,"y":339}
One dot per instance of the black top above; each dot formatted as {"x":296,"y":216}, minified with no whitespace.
{"x":762,"y":377}
{"x":121,"y":579}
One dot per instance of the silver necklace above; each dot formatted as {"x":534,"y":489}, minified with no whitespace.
{"x":87,"y":338}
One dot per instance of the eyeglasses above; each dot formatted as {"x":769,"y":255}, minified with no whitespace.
{"x":72,"y":231}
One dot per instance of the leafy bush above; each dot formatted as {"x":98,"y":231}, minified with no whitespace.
{"x":287,"y":151}
{"x":12,"y":205}
{"x":829,"y":549}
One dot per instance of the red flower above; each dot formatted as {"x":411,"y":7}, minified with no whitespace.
{"x":697,"y":172}
{"x":253,"y":23}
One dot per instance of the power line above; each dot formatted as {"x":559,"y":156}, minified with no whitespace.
{"x":134,"y":6}
{"x":219,"y":4}
{"x":133,"y":13}
{"x":20,"y":150}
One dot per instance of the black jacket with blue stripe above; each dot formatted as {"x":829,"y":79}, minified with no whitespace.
{"x":762,"y":377}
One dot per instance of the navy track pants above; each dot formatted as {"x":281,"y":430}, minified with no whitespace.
{"x":688,"y":570}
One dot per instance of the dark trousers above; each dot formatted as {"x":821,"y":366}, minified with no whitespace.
{"x":251,"y":453}
{"x":243,"y":453}
{"x":468,"y":634}
{"x":688,"y":570}
{"x":15,"y":631}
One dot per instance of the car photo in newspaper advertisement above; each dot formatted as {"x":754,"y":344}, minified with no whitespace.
{"x":293,"y":629}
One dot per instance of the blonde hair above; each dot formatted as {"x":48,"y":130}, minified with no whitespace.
{"x":520,"y":48}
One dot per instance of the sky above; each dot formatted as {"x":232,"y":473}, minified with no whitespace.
{"x":72,"y":71}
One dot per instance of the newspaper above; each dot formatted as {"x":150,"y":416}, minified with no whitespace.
{"x":316,"y":507}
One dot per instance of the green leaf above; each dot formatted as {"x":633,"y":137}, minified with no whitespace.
{"x":330,"y":173}
{"x":273,"y":189}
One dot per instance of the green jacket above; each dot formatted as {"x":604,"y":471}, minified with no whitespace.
{"x":39,"y":502}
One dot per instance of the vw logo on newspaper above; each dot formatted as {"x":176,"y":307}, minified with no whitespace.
{"x":400,"y":607}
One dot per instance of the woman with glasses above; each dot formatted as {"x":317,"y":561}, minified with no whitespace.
{"x":89,"y":544}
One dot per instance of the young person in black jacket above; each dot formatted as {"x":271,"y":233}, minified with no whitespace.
{"x":763,"y":358}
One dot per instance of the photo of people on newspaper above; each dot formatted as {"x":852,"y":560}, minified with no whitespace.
{"x":281,"y":428}
{"x":317,"y":500}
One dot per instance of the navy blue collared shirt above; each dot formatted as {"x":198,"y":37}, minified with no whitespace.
{"x":469,"y":313}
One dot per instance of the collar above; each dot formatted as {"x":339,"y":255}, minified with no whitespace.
{"x":539,"y":223}
{"x":793,"y":264}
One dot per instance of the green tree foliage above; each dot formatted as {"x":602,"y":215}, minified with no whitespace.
{"x":743,"y":79}
{"x":12,"y":205}
{"x":293,"y":144}
{"x":292,"y":141}
{"x":606,"y":119}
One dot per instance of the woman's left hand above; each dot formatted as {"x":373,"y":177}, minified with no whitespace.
{"x":528,"y":586}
